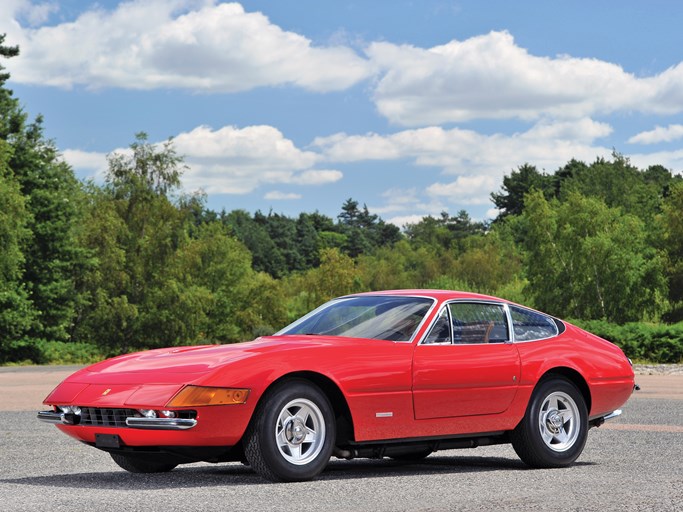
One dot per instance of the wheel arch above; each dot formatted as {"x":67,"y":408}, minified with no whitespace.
{"x":342,"y":412}
{"x":572,"y":376}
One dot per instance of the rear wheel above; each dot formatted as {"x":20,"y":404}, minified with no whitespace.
{"x":554,"y":429}
{"x":139,"y":464}
{"x":292,"y":433}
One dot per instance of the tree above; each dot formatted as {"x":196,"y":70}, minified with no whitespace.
{"x":135,"y":229}
{"x":618,"y":184}
{"x":266,"y":256}
{"x":672,"y":221}
{"x":510,"y":200}
{"x":53,"y":259}
{"x":308,"y":241}
{"x":16,"y":311}
{"x":446,"y":232}
{"x":586,"y":260}
{"x":336,"y":276}
{"x":487,"y":262}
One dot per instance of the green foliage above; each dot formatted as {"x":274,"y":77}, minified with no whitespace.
{"x":510,"y":200}
{"x":336,"y":276}
{"x":41,"y":234}
{"x":24,"y":351}
{"x":586,"y":260}
{"x":672,"y":242}
{"x":16,"y":310}
{"x":445,"y":232}
{"x":49,"y":352}
{"x":642,"y":342}
{"x":617,"y":183}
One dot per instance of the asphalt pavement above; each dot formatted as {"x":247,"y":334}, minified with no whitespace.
{"x":633,"y":463}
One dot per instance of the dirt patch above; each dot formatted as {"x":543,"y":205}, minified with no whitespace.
{"x":660,"y":386}
{"x":23,"y":388}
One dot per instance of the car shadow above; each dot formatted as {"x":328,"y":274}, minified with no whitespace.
{"x":237,"y":474}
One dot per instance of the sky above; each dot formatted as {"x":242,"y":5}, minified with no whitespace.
{"x":409,"y":107}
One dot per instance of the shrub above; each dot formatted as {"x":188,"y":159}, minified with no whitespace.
{"x":48,"y":352}
{"x":640,"y":341}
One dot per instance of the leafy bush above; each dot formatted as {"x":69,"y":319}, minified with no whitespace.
{"x":641,"y":341}
{"x":21,"y":351}
{"x":59,"y":352}
{"x":49,"y":352}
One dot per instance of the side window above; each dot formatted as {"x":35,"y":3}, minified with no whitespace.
{"x":479,"y":323}
{"x":530,"y":326}
{"x":441,"y":330}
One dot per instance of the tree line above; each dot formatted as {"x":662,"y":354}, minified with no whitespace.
{"x":89,"y":270}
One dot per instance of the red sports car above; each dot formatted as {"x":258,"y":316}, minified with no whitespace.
{"x":396,"y":374}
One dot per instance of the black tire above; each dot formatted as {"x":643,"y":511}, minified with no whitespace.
{"x":139,"y":464}
{"x":554,"y":429}
{"x":292,"y":433}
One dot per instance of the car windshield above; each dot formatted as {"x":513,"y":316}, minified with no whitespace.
{"x":375,"y":317}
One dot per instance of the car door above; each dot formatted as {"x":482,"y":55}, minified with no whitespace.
{"x":466,"y":365}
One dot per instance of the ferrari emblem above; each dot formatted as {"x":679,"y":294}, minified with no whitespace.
{"x":106,"y":392}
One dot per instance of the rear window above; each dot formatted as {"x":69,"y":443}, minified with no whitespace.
{"x":530,"y":325}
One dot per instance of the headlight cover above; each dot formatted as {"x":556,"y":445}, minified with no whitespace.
{"x":198,"y":396}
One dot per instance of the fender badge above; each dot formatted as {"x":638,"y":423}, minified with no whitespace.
{"x":106,"y":392}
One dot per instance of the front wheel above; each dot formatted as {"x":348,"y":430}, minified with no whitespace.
{"x":292,"y":433}
{"x":554,"y":429}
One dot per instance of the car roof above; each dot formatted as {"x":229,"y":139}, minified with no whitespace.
{"x":440,"y":295}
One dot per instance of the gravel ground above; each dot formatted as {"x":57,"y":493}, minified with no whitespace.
{"x":632,"y":463}
{"x":631,"y":469}
{"x":658,"y":369}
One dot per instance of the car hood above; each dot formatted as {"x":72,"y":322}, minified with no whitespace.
{"x":154,"y":376}
{"x":199,"y":360}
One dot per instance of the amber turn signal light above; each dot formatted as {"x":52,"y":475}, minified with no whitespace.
{"x":197,"y":396}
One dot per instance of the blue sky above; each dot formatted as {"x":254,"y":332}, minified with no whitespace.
{"x":410,"y":107}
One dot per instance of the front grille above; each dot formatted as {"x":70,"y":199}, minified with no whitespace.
{"x":96,"y":417}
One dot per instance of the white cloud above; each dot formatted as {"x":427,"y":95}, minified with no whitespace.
{"x":277,"y":195}
{"x":659,"y":134}
{"x":490,"y":77}
{"x":466,"y":152}
{"x":230,"y":160}
{"x":192,"y":44}
{"x":491,"y":213}
{"x":206,"y":46}
{"x":403,"y":220}
{"x":409,"y":200}
{"x":672,"y":160}
{"x":468,"y":190}
{"x":33,"y":13}
{"x":317,"y":177}
{"x":87,"y":164}
{"x":479,"y":161}
{"x":234,"y":160}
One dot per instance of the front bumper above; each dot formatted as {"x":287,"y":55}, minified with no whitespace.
{"x":141,"y":423}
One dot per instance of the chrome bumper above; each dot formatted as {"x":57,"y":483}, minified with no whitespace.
{"x":161,"y":423}
{"x":53,"y":417}
{"x":140,"y":423}
{"x":612,"y":415}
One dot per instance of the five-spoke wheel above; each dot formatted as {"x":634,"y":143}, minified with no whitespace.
{"x":558,"y":421}
{"x":554,"y":429}
{"x":300,"y":431}
{"x":292,"y":433}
